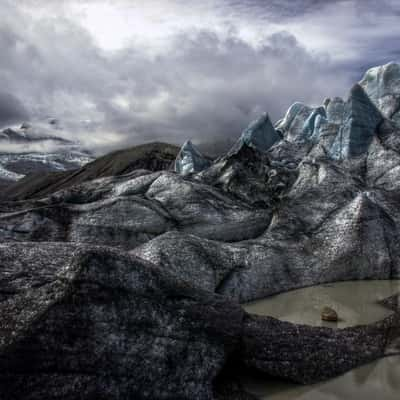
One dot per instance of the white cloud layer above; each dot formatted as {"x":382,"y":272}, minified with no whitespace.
{"x":124,"y":72}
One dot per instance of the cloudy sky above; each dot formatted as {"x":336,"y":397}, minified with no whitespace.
{"x":123,"y":72}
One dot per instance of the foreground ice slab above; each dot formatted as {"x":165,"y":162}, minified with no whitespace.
{"x":97,"y":323}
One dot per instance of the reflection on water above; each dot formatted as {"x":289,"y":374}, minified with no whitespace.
{"x":356,"y":303}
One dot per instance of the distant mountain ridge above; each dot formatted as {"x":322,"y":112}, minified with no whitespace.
{"x":33,"y":148}
{"x":23,"y":135}
{"x":150,"y":156}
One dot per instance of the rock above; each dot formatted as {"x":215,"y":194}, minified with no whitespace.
{"x":329,"y":314}
{"x":190,"y":160}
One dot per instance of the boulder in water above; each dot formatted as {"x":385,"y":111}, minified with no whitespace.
{"x":329,"y":314}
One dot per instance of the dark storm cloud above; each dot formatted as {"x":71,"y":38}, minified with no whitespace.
{"x":11,"y":109}
{"x":209,"y":88}
{"x":204,"y":86}
{"x":273,"y":9}
{"x":212,"y":87}
{"x":288,"y":9}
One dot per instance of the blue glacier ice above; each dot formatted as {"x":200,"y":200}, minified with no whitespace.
{"x":292,"y":124}
{"x":189,"y":160}
{"x":310,"y":123}
{"x":291,"y":113}
{"x":259,"y":135}
{"x":361,"y":118}
{"x":335,"y":110}
{"x":319,"y":122}
{"x":302,"y":123}
{"x":382,"y":84}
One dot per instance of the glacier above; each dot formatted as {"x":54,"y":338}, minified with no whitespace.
{"x":189,"y":159}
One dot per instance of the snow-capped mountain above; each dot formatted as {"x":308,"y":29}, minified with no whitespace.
{"x":38,"y":147}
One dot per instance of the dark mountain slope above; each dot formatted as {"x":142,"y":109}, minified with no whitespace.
{"x":151,"y":156}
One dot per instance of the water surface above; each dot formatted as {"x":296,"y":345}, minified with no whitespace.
{"x":356,"y":303}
